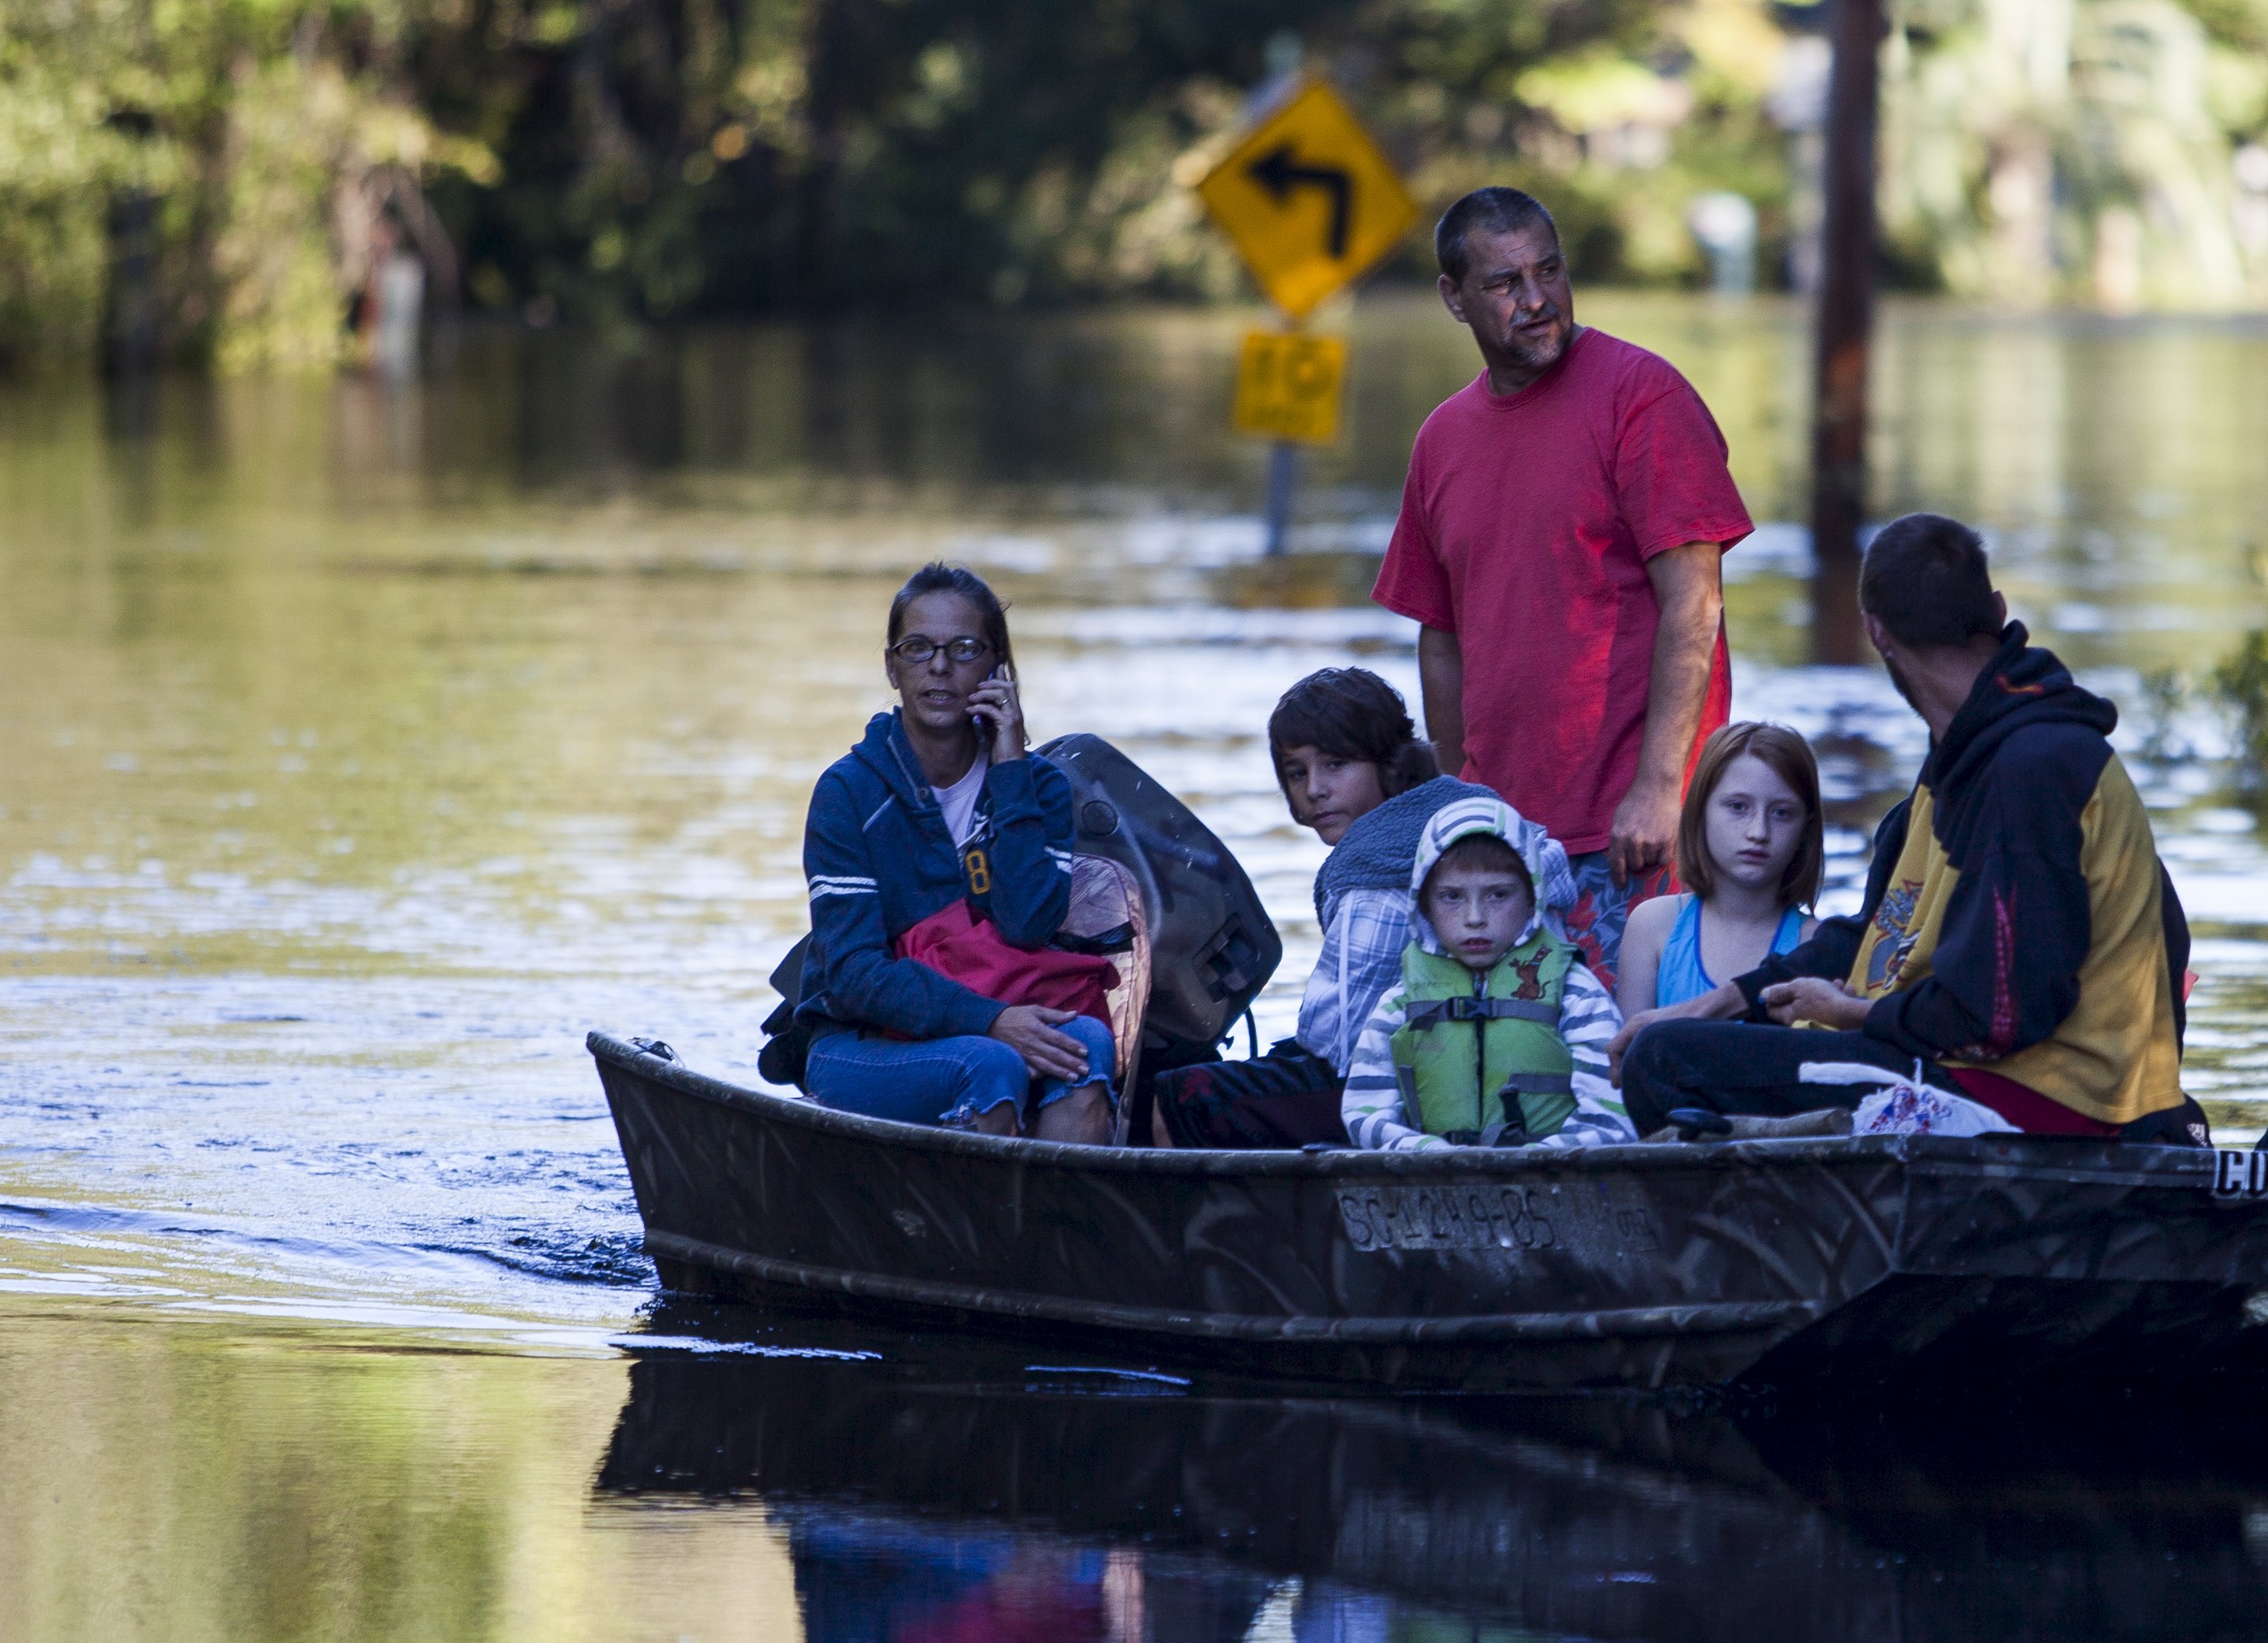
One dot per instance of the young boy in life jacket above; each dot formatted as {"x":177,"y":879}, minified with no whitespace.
{"x":1496,"y":1034}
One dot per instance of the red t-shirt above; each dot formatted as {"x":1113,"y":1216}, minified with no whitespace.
{"x":1526,"y":521}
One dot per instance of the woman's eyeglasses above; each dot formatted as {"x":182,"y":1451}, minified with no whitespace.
{"x":914,"y":649}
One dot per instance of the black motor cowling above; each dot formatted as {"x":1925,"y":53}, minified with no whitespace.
{"x":1213,"y":947}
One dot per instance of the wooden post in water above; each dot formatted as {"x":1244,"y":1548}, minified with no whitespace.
{"x":1846,"y":317}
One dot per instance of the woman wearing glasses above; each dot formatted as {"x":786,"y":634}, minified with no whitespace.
{"x":939,"y":853}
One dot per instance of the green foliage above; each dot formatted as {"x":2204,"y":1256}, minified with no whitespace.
{"x":57,"y":160}
{"x":2165,"y":692}
{"x":2040,"y":150}
{"x":2239,"y":682}
{"x":744,"y":155}
{"x":256,"y":126}
{"x":2241,"y":24}
{"x":656,"y":159}
{"x":661,"y":159}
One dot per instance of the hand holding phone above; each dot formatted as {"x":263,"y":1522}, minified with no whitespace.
{"x":998,"y":716}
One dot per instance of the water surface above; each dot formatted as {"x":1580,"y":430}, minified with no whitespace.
{"x":365,"y":747}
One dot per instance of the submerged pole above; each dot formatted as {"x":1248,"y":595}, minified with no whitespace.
{"x":1283,"y":475}
{"x":1845,"y":324}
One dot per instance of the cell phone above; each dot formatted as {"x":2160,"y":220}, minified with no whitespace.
{"x":976,"y":715}
{"x":1000,"y":675}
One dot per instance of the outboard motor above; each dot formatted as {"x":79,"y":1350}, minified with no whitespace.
{"x":1213,"y":947}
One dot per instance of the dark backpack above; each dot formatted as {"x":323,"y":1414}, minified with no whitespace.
{"x":787,"y":1041}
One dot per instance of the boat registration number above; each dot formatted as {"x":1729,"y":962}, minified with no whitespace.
{"x":2240,"y":1175}
{"x":1443,"y":1218}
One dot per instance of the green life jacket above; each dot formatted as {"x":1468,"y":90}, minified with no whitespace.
{"x":1471,"y":1039}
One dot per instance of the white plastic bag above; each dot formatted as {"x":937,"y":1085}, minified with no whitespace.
{"x":1906,"y":1106}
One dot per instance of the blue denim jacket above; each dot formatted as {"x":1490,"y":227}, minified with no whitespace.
{"x":879,"y":859}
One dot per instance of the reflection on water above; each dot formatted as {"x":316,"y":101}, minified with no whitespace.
{"x":251,"y":1485}
{"x":365,"y":748}
{"x":259,"y":1483}
{"x":940,"y":1498}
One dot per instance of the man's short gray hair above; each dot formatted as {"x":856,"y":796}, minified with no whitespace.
{"x":1492,"y":212}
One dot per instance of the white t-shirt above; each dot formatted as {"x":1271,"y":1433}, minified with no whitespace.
{"x":959,"y":801}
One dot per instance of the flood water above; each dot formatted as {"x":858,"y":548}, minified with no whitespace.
{"x":364,"y":748}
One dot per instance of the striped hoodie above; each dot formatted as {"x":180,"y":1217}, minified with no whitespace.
{"x":879,"y":859}
{"x":1589,"y":1020}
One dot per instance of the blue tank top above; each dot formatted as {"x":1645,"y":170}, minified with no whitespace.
{"x":1680,"y":975}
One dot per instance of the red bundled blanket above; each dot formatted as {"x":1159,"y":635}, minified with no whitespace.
{"x":962,"y":947}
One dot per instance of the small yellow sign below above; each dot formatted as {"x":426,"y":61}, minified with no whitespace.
{"x":1287,"y":385}
{"x":1308,"y":199}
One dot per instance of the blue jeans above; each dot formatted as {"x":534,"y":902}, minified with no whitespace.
{"x":942,"y":1081}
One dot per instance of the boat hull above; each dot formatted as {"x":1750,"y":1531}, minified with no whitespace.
{"x":1795,"y":1263}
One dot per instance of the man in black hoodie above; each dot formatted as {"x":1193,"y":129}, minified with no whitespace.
{"x":2020,"y":941}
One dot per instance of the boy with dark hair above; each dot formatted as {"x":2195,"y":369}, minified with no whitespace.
{"x":1496,"y":1034}
{"x":1352,"y":769}
{"x":2020,"y":943}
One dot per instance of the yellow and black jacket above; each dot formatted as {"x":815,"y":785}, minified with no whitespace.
{"x":2017,"y":916}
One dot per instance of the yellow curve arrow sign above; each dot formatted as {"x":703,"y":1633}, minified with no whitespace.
{"x":1308,"y":200}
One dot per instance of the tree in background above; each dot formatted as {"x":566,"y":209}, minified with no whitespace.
{"x":204,"y":178}
{"x":206,"y":172}
{"x":2097,"y":151}
{"x":831,"y":152}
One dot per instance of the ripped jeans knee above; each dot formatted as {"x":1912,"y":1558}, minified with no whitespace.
{"x":1102,"y":1060}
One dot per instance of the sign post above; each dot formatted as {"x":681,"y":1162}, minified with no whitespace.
{"x":1310,"y":205}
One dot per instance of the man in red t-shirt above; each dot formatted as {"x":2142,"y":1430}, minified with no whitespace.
{"x":1559,"y":542}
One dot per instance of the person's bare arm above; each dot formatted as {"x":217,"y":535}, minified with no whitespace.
{"x":1639,"y":966}
{"x":1688,"y":586}
{"x":1441,"y":687}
